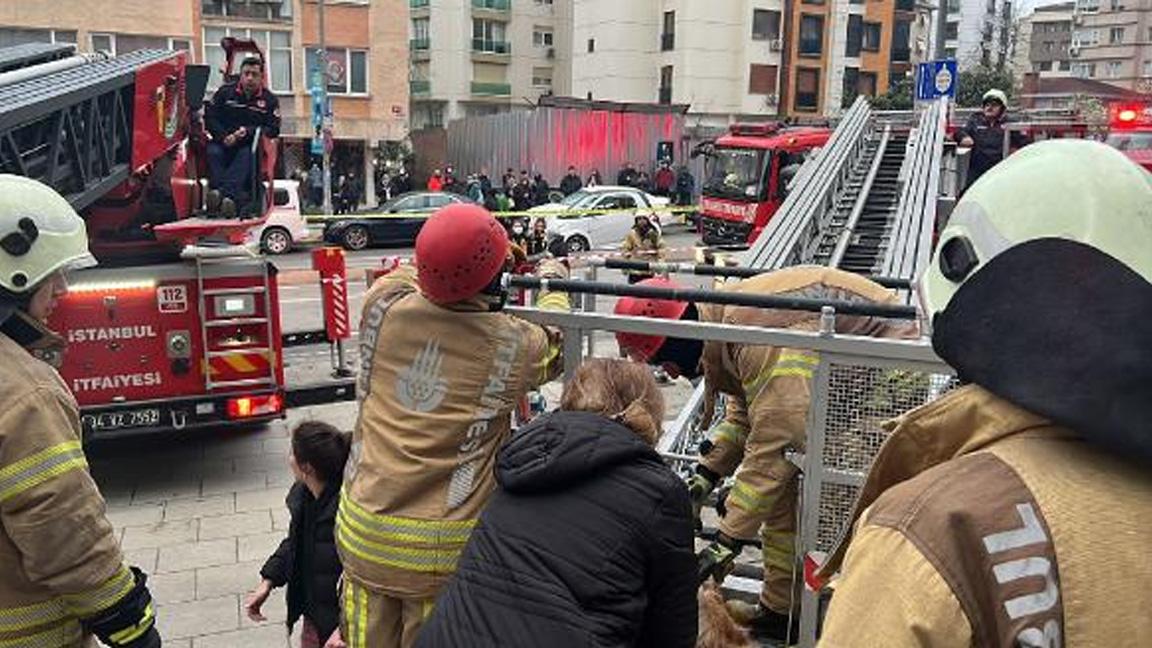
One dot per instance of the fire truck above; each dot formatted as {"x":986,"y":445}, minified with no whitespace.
{"x":177,"y":328}
{"x":747,"y":175}
{"x":1131,"y":132}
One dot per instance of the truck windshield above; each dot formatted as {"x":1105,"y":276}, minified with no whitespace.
{"x":735,"y":173}
{"x":1137,"y":141}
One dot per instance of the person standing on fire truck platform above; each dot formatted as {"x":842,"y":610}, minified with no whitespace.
{"x":443,"y":368}
{"x":643,"y":241}
{"x":1017,"y":509}
{"x":232,"y":118}
{"x":767,"y":406}
{"x":64,"y":577}
{"x":984,"y":134}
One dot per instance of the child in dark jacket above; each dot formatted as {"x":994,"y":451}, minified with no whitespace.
{"x":306,"y":560}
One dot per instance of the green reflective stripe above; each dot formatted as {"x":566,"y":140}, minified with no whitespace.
{"x":748,"y":499}
{"x":554,"y":301}
{"x":86,"y":604}
{"x":417,"y":560}
{"x":788,"y":363}
{"x":550,"y":356}
{"x":778,"y":549}
{"x":64,"y":635}
{"x":730,"y":432}
{"x":349,"y":629}
{"x":390,"y":527}
{"x":36,"y":469}
{"x":128,"y":635}
{"x":31,"y":616}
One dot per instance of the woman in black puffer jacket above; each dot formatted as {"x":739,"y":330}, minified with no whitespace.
{"x":588,"y":541}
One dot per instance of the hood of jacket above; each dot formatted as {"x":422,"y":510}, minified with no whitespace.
{"x":564,"y":448}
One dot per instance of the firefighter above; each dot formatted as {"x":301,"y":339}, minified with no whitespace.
{"x":1017,"y":506}
{"x":64,"y":577}
{"x":984,"y":134}
{"x":767,"y":405}
{"x":442,"y":370}
{"x":233,"y":117}
{"x":645,"y":241}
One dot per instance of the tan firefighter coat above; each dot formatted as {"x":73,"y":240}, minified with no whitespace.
{"x":437,"y":388}
{"x":767,"y":407}
{"x":59,"y":557}
{"x":986,"y":525}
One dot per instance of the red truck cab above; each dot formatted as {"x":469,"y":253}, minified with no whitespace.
{"x":1131,"y":132}
{"x":747,"y":176}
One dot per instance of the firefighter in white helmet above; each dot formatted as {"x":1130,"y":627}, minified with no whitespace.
{"x":64,"y":577}
{"x":1017,"y":509}
{"x":984,"y":134}
{"x":442,"y":370}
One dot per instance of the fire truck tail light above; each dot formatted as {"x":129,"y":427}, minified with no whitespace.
{"x":249,"y":406}
{"x":1126,"y":115}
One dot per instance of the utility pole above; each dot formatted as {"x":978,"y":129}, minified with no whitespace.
{"x":327,"y":124}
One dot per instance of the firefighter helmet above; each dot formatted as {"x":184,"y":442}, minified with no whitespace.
{"x":644,"y":347}
{"x":995,"y":95}
{"x":1084,"y":191}
{"x":40,"y":234}
{"x":459,"y":251}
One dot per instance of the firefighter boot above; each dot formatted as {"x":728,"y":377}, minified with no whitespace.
{"x":228,"y":208}
{"x":762,"y":622}
{"x":212,"y":201}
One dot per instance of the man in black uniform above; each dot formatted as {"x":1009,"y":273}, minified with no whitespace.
{"x":232,"y":118}
{"x":984,"y":134}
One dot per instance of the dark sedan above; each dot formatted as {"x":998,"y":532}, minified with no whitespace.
{"x":397,"y":224}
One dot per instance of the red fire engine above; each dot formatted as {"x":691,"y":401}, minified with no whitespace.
{"x":747,"y":175}
{"x":154,"y":341}
{"x":1131,"y":132}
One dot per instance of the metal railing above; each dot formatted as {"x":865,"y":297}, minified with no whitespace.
{"x":419,"y":87}
{"x":482,"y":46}
{"x":492,"y":5}
{"x":419,"y":44}
{"x":491,"y":89}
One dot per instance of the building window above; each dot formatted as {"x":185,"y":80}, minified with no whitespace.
{"x":1045,"y":66}
{"x":103,"y":43}
{"x":871,"y":41}
{"x":953,"y":6}
{"x":10,"y":36}
{"x":855,"y":36}
{"x":811,"y":35}
{"x":347,"y":70}
{"x":275,"y":10}
{"x":666,"y":84}
{"x":1112,"y":69}
{"x":544,"y":2}
{"x":765,"y":24}
{"x":489,"y":36}
{"x":1116,"y":35}
{"x":542,"y":77}
{"x":950,"y":52}
{"x":867,"y":85}
{"x":591,"y":45}
{"x":421,"y":38}
{"x":762,"y":79}
{"x":901,"y":34}
{"x":951,"y":31}
{"x":276,"y":45}
{"x":807,"y":89}
{"x":1065,"y":66}
{"x":851,"y":86}
{"x":542,"y":36}
{"x":668,"y":36}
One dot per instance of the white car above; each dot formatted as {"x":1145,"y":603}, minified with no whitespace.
{"x":285,"y":227}
{"x":582,"y":231}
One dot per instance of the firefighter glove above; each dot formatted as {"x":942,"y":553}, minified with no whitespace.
{"x":699,"y":487}
{"x":717,"y":559}
{"x":722,"y":501}
{"x":131,"y":622}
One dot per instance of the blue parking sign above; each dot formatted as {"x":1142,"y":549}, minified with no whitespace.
{"x":936,"y":79}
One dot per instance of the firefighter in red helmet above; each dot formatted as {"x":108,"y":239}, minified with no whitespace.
{"x":767,"y":390}
{"x":442,"y":369}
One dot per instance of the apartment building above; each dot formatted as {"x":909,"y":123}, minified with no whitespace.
{"x":977,"y":32}
{"x":740,"y":57}
{"x":1046,"y":40}
{"x":1112,"y":42}
{"x":478,"y":57}
{"x":367,"y":74}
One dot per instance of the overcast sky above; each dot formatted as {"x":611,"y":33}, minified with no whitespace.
{"x":1026,"y":6}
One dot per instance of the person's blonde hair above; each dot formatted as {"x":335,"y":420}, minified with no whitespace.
{"x":620,"y":390}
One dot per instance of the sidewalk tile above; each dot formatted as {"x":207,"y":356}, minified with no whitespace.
{"x":162,"y":534}
{"x":197,"y":554}
{"x":259,"y":547}
{"x":281,"y":519}
{"x":143,"y":558}
{"x":147,"y":515}
{"x":262,"y":500}
{"x":249,"y":481}
{"x":150,"y":492}
{"x":237,"y":578}
{"x":270,"y":636}
{"x":193,"y":618}
{"x":200,"y":507}
{"x":236,"y":524}
{"x":175,"y":587}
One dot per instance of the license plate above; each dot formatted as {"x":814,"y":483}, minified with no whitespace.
{"x":122,"y":420}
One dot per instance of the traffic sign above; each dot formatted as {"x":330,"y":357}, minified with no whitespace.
{"x":936,"y":79}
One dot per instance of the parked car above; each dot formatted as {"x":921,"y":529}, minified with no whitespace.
{"x":582,"y":231}
{"x":396,"y":228}
{"x":285,"y":226}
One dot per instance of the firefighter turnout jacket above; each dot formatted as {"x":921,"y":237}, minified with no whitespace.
{"x":437,"y":387}
{"x":232,"y":108}
{"x":984,"y":524}
{"x":60,"y":560}
{"x":768,"y":390}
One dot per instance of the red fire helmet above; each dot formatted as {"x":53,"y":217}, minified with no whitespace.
{"x":638,"y":344}
{"x":458,"y":252}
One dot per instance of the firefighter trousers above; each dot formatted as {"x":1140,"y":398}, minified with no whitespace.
{"x":372,"y":619}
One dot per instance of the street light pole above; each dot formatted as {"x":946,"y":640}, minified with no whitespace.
{"x":326,"y":128}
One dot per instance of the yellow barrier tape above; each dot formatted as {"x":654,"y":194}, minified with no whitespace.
{"x":574,"y":213}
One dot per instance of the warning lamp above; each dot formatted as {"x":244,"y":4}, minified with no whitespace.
{"x":1128,"y":115}
{"x":250,"y":406}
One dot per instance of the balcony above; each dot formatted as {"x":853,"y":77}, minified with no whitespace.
{"x":502,"y":6}
{"x":665,"y":95}
{"x":418,"y":88}
{"x":491,"y":51}
{"x":418,"y":4}
{"x":667,"y":42}
{"x":420,"y":44}
{"x":487,"y":89}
